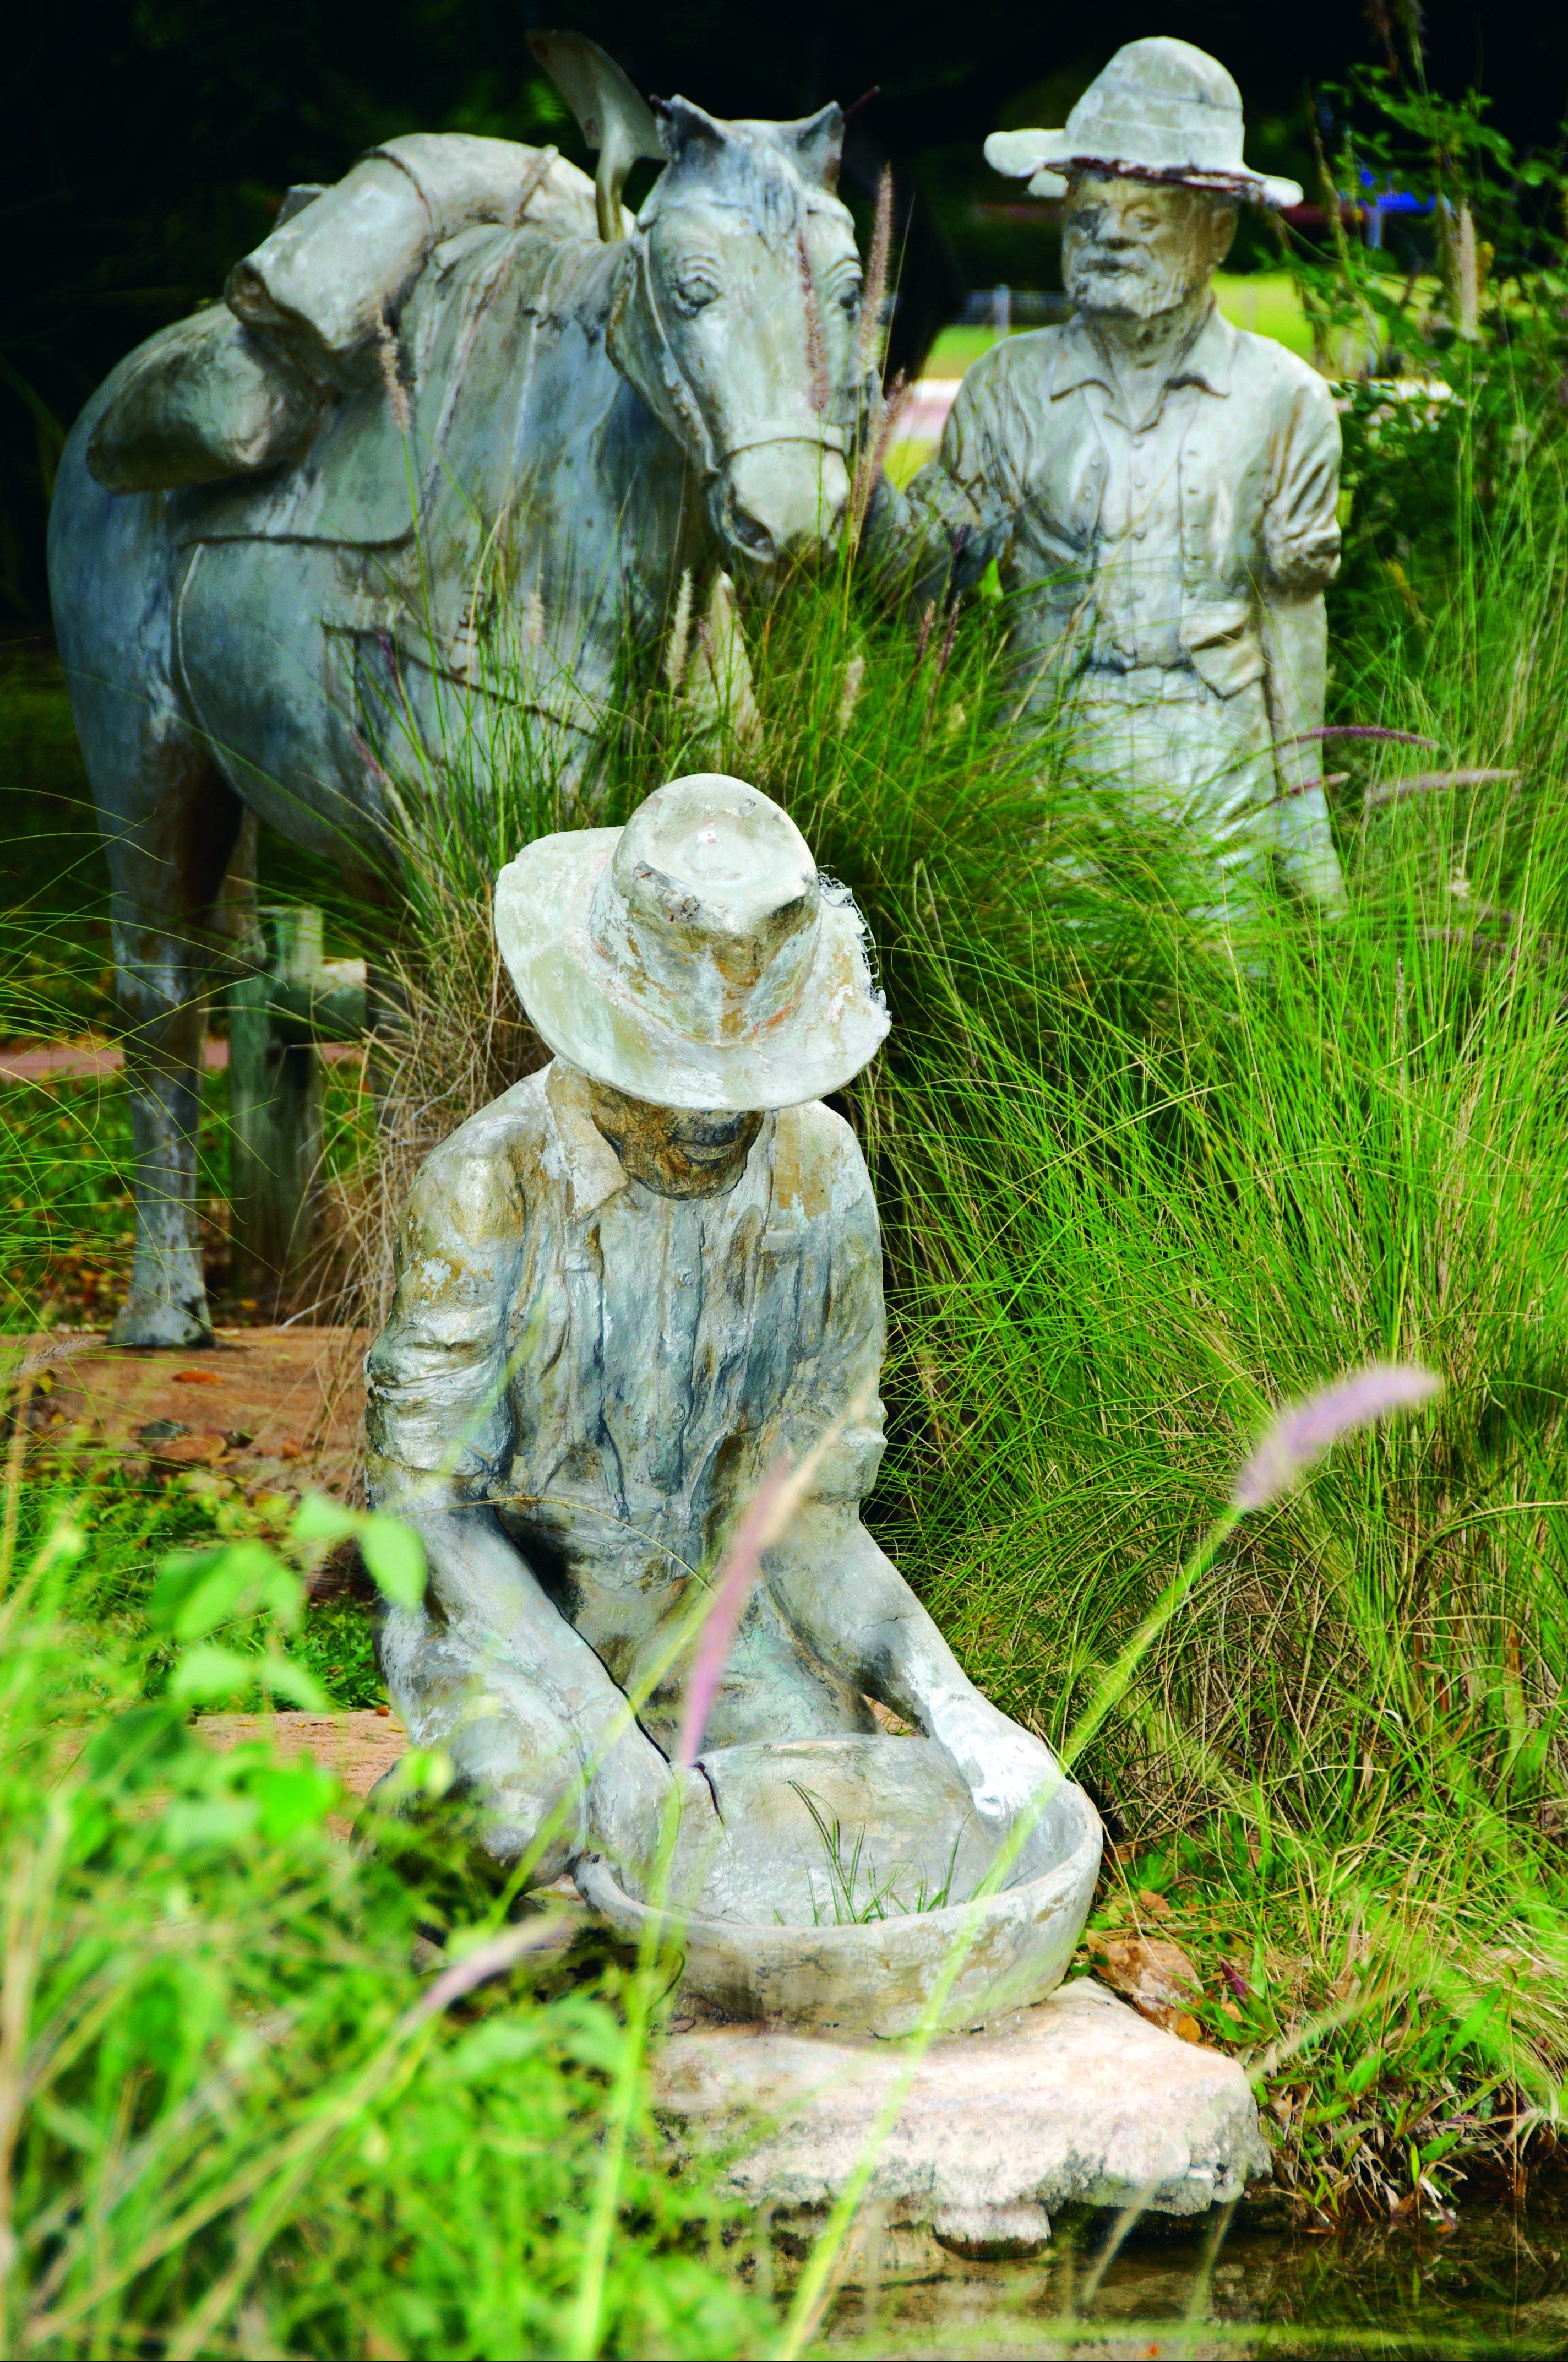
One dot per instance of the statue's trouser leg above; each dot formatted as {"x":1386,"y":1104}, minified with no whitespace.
{"x":515,"y":1756}
{"x":1197,"y":766}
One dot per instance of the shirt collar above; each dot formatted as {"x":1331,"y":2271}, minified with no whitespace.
{"x":594,"y":1171}
{"x":1206,"y":362}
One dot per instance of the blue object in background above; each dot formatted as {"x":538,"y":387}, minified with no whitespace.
{"x":1377,"y":204}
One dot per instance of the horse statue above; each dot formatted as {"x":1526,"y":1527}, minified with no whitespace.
{"x":551,"y":418}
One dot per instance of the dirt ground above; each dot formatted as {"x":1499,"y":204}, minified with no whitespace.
{"x":268,"y":1412}
{"x":358,"y":1746}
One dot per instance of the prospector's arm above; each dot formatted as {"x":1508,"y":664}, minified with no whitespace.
{"x":1301,"y":547}
{"x":934,"y":541}
{"x":438,"y":1426}
{"x":851,"y":1604}
{"x":842,"y":1593}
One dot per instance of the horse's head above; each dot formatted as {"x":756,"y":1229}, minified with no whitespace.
{"x":737,"y":320}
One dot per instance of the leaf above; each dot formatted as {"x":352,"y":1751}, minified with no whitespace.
{"x":206,"y":1672}
{"x":500,"y":2042}
{"x":179,"y":1575}
{"x":285,"y":1679}
{"x":136,"y":1749}
{"x":284,"y":1595}
{"x":320,"y":1519}
{"x":293,"y":1797}
{"x":1364,"y":2072}
{"x":1155,"y":1976}
{"x":422,"y":1771}
{"x":193,"y":1597}
{"x":209,"y":1821}
{"x":394,"y":1555}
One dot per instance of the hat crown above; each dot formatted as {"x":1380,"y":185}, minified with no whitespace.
{"x":1161,"y":102}
{"x":707,"y":913}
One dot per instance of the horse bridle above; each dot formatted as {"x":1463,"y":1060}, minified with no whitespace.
{"x":686,"y":405}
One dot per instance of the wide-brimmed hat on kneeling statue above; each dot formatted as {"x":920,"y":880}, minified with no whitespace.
{"x":1160,"y":111}
{"x":694,"y":958}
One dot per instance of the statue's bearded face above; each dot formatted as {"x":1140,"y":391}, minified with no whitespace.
{"x":678,"y":1151}
{"x":1132,"y":249}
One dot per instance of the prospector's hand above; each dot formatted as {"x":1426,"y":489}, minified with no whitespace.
{"x":1005,"y":1769}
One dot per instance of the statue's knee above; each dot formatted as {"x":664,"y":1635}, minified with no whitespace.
{"x":518,"y":1762}
{"x":517,"y":1768}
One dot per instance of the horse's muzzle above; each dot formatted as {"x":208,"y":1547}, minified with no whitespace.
{"x":776,"y":504}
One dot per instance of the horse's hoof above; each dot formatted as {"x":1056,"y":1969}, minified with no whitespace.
{"x":167,"y":1327}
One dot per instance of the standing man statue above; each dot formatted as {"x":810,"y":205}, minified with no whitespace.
{"x":623,"y":1290}
{"x":1158,"y":489}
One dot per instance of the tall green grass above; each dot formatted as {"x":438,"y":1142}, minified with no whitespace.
{"x":1140,"y":1183}
{"x":234,"y":2118}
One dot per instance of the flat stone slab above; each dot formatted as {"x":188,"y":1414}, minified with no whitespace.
{"x":1078,"y":2100}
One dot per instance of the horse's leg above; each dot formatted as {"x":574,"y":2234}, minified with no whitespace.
{"x":168,"y":824}
{"x":167,"y":864}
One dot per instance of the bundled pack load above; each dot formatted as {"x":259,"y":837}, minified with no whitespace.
{"x":241,"y":386}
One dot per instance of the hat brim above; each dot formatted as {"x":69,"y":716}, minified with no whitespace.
{"x":581,"y":1009}
{"x":1021,"y":154}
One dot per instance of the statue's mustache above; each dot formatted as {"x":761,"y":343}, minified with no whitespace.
{"x":712,"y":1133}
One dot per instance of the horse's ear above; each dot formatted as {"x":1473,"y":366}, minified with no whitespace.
{"x":816,"y":143}
{"x":686,"y":131}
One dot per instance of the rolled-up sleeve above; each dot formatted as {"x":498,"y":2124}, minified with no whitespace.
{"x":437,"y":1416}
{"x":1300,"y":526}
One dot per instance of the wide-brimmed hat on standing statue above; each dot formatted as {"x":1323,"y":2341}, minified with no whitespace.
{"x":1160,"y":111}
{"x":694,"y":958}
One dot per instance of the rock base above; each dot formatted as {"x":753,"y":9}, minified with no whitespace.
{"x":1076,"y":2101}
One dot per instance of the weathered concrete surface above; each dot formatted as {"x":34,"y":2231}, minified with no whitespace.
{"x":1078,"y":2100}
{"x":810,"y":1962}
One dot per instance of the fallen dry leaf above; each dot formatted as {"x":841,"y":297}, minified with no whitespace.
{"x":203,"y":1451}
{"x":1148,"y":1900}
{"x":1154,"y":1974}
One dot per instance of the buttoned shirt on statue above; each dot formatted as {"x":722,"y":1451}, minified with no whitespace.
{"x":615,"y":1370}
{"x":1138,"y":544}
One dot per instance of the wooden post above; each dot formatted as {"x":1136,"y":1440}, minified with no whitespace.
{"x":275,"y":1112}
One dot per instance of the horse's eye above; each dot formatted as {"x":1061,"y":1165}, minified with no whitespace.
{"x":851,"y":290}
{"x":695,"y":289}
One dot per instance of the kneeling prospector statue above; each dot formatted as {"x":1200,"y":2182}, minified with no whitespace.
{"x":624,"y":1291}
